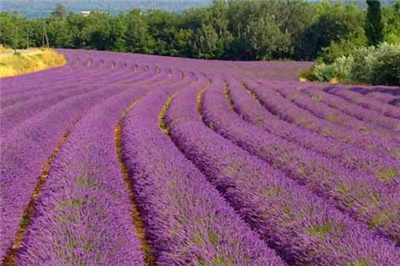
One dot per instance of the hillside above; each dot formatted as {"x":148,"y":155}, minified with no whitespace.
{"x":130,"y":159}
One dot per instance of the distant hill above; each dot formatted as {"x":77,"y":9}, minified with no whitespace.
{"x":42,"y":8}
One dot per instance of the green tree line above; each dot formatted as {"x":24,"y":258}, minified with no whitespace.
{"x":230,"y":30}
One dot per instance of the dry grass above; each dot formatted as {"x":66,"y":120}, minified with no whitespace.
{"x":27,"y":62}
{"x":4,"y":49}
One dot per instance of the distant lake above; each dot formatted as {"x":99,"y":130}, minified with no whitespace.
{"x":43,"y":8}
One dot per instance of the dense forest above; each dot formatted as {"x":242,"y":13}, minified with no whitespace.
{"x":233,"y":29}
{"x":43,"y":8}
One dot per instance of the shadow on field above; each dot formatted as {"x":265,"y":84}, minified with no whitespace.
{"x":395,"y":91}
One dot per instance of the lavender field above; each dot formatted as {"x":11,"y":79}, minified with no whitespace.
{"x":128,"y":159}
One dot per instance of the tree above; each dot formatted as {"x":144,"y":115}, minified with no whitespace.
{"x":6,"y":29}
{"x":96,"y":31}
{"x":59,"y":34}
{"x":206,"y":42}
{"x":162,"y":26}
{"x":226,"y":29}
{"x":295,"y":17}
{"x":391,"y":20}
{"x":116,"y":40}
{"x":373,"y":25}
{"x":335,"y":22}
{"x":59,"y":12}
{"x":76,"y":23}
{"x":13,"y":30}
{"x":136,"y":33}
{"x":183,"y":43}
{"x":266,"y":39}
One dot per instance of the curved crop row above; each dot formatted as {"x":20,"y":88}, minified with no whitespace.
{"x":366,"y":102}
{"x":30,"y":144}
{"x":365,"y":196}
{"x":71,"y":83}
{"x":12,"y":83}
{"x":289,"y":112}
{"x":54,"y":79}
{"x":129,"y":159}
{"x":383,"y":97}
{"x":18,"y":113}
{"x":103,"y":79}
{"x":84,"y":204}
{"x":303,"y":228}
{"x":55,"y":74}
{"x":371,"y":116}
{"x":335,"y":116}
{"x":47,"y":78}
{"x":251,"y":110}
{"x":188,"y":223}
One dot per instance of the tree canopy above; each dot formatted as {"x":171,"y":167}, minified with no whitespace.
{"x":373,"y":24}
{"x":227,"y":30}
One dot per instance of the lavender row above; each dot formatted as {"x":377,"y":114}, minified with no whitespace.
{"x":368,"y":103}
{"x":13,"y":87}
{"x":382,"y":167}
{"x":302,"y":227}
{"x":187,"y":221}
{"x":363,"y":196}
{"x":59,"y":80}
{"x":86,"y":80}
{"x":382,"y":97}
{"x":20,"y":95}
{"x":335,"y":116}
{"x":250,"y":69}
{"x":26,"y":87}
{"x":289,"y":112}
{"x":159,"y":76}
{"x":84,"y":203}
{"x":384,"y":94}
{"x":370,"y":116}
{"x":12,"y":83}
{"x":100,"y":79}
{"x":18,"y":113}
{"x":30,"y":144}
{"x":48,"y":77}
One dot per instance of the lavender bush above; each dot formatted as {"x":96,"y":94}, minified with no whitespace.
{"x":128,"y":159}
